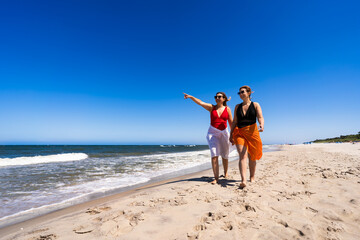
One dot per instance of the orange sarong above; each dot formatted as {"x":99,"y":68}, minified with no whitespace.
{"x":249,"y":137}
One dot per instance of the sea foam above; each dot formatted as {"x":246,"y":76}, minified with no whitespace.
{"x":64,"y":157}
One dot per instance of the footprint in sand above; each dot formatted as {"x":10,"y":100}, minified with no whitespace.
{"x":302,"y":182}
{"x":137,"y":204}
{"x":92,"y":211}
{"x":96,"y":210}
{"x":83,"y":229}
{"x":228,"y":203}
{"x":292,"y":195}
{"x":335,"y":227}
{"x":217,"y":216}
{"x":333,"y":230}
{"x":192,"y":189}
{"x":228,"y":226}
{"x":157,"y":201}
{"x":177,"y":201}
{"x":120,"y":223}
{"x":200,"y":227}
{"x":326,"y":172}
{"x":328,"y":175}
{"x":192,"y":236}
{"x":207,"y":197}
{"x":210,"y":218}
{"x":115,"y":228}
{"x":135,"y":218}
{"x":241,"y":192}
{"x":39,"y":230}
{"x":354,"y":201}
{"x":306,"y":230}
{"x":46,"y":237}
{"x":248,"y":207}
{"x":352,"y":171}
{"x":283,"y":223}
{"x":308,"y":193}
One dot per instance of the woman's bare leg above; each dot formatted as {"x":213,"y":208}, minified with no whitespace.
{"x":225,"y":163}
{"x":252,"y":168}
{"x":242,"y":164}
{"x":215,"y":167}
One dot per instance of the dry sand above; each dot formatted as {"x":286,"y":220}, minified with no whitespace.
{"x":302,"y":192}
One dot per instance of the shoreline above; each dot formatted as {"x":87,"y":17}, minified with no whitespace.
{"x":124,"y":192}
{"x":303,"y":191}
{"x":47,"y":209}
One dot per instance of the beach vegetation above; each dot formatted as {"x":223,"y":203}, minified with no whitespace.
{"x":342,"y":138}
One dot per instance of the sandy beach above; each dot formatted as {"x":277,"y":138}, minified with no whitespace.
{"x":302,"y":192}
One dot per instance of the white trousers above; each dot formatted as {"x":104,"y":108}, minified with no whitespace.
{"x":218,"y":142}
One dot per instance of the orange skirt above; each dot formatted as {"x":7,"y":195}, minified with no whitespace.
{"x":249,"y":137}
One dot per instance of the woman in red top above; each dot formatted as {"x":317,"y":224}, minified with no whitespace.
{"x":218,"y":134}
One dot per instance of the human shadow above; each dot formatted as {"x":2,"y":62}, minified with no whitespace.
{"x":222,"y":182}
{"x":227,"y":182}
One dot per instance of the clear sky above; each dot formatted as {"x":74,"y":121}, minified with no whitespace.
{"x":113,"y":72}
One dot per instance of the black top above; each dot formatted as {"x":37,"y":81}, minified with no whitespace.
{"x":248,"y":119}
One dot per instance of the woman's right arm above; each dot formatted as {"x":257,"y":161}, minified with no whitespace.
{"x":233,"y":125}
{"x":207,"y":106}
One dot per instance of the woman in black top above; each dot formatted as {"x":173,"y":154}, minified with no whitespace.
{"x":245,"y":134}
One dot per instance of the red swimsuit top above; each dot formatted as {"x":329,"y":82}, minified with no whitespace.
{"x":219,"y":122}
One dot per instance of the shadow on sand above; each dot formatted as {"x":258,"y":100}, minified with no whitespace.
{"x":223,"y":182}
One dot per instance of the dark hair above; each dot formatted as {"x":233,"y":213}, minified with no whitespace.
{"x":248,"y":89}
{"x":224,"y":96}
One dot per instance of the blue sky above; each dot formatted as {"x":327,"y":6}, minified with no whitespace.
{"x":113,"y":72}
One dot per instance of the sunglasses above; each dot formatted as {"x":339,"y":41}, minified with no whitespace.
{"x":218,"y":97}
{"x":241,"y":92}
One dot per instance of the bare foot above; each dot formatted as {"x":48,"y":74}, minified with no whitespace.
{"x":242,"y":185}
{"x":214,"y":182}
{"x":226,"y":176}
{"x":252,"y":179}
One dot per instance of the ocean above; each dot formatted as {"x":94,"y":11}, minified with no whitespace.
{"x":38,"y":179}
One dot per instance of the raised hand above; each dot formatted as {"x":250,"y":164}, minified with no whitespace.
{"x":186,"y":96}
